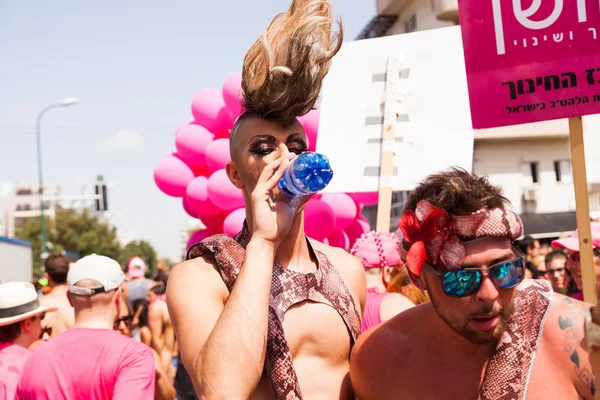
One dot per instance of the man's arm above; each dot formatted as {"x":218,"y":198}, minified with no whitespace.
{"x":136,"y":378}
{"x":155,"y":324}
{"x":393,"y":304}
{"x":568,"y":319}
{"x":223,"y":346}
{"x":164,"y":388}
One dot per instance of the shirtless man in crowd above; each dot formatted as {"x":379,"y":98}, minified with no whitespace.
{"x":56,"y":269}
{"x":271,"y":314}
{"x":486,"y":334}
{"x":161,"y":328}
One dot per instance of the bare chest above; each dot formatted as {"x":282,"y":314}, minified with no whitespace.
{"x":320,"y":345}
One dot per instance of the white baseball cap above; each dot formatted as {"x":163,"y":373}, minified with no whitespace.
{"x":106,"y":271}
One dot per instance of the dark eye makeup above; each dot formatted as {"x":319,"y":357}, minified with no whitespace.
{"x":263,"y":148}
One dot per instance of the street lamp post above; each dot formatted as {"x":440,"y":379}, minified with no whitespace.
{"x":69,"y":101}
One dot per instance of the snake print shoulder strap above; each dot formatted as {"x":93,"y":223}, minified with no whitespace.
{"x":508,"y":371}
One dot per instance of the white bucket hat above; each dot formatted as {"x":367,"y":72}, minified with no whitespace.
{"x":19,"y":301}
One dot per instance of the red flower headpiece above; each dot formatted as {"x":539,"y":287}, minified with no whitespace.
{"x":433,"y":234}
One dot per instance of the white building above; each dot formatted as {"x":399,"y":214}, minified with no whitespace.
{"x":23,"y":201}
{"x":530,"y":162}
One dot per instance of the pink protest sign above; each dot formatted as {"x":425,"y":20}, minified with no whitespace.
{"x":531,"y":60}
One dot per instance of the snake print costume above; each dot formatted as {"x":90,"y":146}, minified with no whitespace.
{"x":509,"y":369}
{"x":287,"y":288}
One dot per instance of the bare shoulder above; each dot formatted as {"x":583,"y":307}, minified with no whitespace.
{"x":564,"y":332}
{"x":349,"y":268}
{"x":393,"y":304}
{"x":377,"y":359}
{"x":192,"y":277}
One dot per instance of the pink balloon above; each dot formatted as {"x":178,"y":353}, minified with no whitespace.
{"x":209,"y":110}
{"x":181,"y":126}
{"x":343,"y":207}
{"x":232,"y":90}
{"x":172,"y":176}
{"x":310,"y":123}
{"x":222,"y":192}
{"x":188,"y":209}
{"x":191,"y":142}
{"x":356,"y":229}
{"x":213,"y":221}
{"x":319,"y":219}
{"x":340,"y":239}
{"x":363,"y":218}
{"x":196,"y":195}
{"x":201,"y":171}
{"x":224,"y":134}
{"x":217,"y":154}
{"x":234,"y":222}
{"x":199,"y":236}
{"x":366,"y":198}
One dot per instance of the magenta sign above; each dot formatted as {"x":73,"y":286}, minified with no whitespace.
{"x":531,"y":60}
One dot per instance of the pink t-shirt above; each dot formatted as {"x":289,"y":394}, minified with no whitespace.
{"x":12,"y":358}
{"x":90,"y":364}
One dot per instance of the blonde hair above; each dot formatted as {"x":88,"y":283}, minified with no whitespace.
{"x":284,"y":69}
{"x":400,"y":283}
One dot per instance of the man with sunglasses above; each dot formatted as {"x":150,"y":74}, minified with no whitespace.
{"x":487,"y":333}
{"x":571,"y":244}
{"x":91,"y":360}
{"x":21,"y":317}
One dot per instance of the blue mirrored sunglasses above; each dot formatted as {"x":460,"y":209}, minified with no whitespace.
{"x":467,"y":281}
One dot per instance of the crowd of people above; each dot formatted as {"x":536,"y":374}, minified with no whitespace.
{"x":452,"y":305}
{"x":98,"y":332}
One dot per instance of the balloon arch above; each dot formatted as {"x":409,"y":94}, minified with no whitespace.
{"x":196,"y":174}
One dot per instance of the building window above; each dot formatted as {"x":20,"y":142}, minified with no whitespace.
{"x":530,"y":172}
{"x":410,"y":25}
{"x":562,"y":169}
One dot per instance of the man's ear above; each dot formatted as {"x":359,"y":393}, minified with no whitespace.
{"x":26,"y":325}
{"x":417,"y":280}
{"x":69,"y":298}
{"x":234,"y":175}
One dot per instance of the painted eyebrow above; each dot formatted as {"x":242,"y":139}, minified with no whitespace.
{"x":266,"y":138}
{"x":505,"y":257}
{"x":295,"y":137}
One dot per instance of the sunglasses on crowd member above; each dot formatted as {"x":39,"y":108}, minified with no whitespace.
{"x":46,"y":330}
{"x":127,"y":320}
{"x":539,"y":274}
{"x":467,"y":281}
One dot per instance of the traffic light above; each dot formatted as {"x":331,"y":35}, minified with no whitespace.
{"x":102,"y":193}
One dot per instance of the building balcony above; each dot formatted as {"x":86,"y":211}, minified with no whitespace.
{"x":446,"y":10}
{"x":391,"y":7}
{"x":558,"y":128}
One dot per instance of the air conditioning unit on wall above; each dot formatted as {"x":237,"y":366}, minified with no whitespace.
{"x":529,"y":194}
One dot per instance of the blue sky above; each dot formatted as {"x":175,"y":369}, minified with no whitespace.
{"x":135,"y":66}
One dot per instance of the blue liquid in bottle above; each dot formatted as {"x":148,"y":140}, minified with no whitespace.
{"x":308,"y":173}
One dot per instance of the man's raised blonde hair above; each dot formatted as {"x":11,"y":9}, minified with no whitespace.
{"x":284,"y":69}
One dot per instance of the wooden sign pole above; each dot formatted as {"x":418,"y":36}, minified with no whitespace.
{"x":582,"y":209}
{"x":386,"y":169}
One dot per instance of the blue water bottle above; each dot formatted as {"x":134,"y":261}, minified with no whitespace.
{"x":307,"y":174}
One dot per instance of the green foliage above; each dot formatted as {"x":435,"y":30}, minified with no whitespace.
{"x":142,"y":249}
{"x":81,"y":232}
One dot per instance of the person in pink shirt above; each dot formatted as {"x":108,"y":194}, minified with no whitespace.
{"x":91,"y":360}
{"x":379,"y":254}
{"x":571,"y":243}
{"x":20,"y":326}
